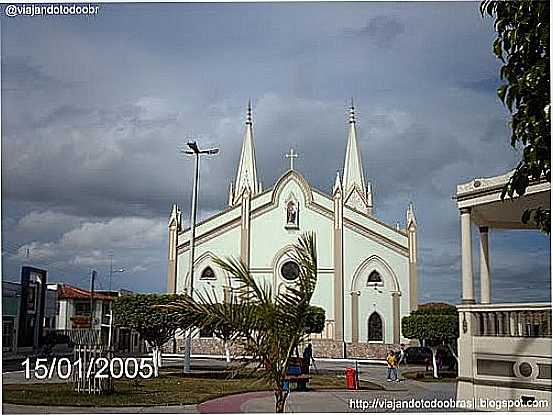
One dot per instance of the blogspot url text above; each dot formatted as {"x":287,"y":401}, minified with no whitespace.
{"x":30,"y":10}
{"x":401,"y":405}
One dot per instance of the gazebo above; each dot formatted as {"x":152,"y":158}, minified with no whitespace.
{"x":504,"y":349}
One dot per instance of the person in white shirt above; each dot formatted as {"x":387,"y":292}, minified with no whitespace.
{"x":400,"y":358}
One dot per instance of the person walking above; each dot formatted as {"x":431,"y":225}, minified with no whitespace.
{"x":307,"y":356}
{"x":392,"y":367}
{"x":400,"y":356}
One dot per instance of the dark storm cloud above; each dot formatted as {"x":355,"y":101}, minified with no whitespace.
{"x":382,"y":30}
{"x":94,"y":112}
{"x":484,"y":85}
{"x":19,"y":75}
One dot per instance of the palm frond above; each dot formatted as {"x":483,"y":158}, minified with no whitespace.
{"x":249,"y":289}
{"x":268,"y":327}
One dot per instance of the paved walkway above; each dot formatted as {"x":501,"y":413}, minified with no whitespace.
{"x":356,"y":401}
{"x":234,"y":404}
{"x":263,"y":402}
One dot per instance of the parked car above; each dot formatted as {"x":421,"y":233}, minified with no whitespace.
{"x":418,"y":355}
{"x":423,"y":356}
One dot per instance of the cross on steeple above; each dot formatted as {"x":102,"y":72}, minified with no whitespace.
{"x":291,"y":156}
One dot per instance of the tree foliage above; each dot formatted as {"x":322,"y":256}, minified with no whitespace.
{"x":315,"y":320}
{"x":138,"y":312}
{"x":436,"y":308}
{"x":269,"y":327}
{"x":435,"y":329}
{"x":522,"y":45}
{"x":434,"y":324}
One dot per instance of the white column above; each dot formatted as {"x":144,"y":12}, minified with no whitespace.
{"x":338,"y":269}
{"x":485,"y":285}
{"x":466,"y":258}
{"x":396,"y":317}
{"x":355,"y":316}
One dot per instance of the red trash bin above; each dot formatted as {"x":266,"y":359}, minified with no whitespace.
{"x":351,"y":378}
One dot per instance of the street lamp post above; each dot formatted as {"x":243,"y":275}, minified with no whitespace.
{"x":111,"y":271}
{"x":195,"y":151}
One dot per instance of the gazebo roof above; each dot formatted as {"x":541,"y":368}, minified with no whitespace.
{"x":483,"y":196}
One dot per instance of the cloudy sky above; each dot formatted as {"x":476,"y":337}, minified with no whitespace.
{"x":94,"y":109}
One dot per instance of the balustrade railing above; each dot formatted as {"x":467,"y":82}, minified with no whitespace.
{"x":505,"y":321}
{"x":513,"y":323}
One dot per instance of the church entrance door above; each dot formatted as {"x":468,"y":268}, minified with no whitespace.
{"x":375,"y":327}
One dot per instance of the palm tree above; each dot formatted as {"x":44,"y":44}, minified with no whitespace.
{"x":268,"y":325}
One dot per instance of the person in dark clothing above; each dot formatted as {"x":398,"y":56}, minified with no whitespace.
{"x":307,"y":356}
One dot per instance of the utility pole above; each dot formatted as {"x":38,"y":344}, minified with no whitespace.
{"x":110,"y":325}
{"x":92,"y":279}
{"x":110,"y":271}
{"x":195,"y":151}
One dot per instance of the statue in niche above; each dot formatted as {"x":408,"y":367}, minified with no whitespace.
{"x":291,"y":214}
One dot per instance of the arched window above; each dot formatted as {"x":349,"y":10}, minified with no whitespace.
{"x":375,"y":327}
{"x":374,"y":278}
{"x":207,"y":274}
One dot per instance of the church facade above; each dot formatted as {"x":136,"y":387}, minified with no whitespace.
{"x":367,"y":270}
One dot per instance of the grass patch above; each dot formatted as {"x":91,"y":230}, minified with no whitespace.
{"x":170,"y":388}
{"x":445,"y":376}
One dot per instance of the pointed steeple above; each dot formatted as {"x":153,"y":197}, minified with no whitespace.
{"x":358,"y":196}
{"x":337,"y":184}
{"x":246,"y":177}
{"x":353,"y":168}
{"x":411,"y":224}
{"x":230,"y":194}
{"x":175,"y":220}
{"x":369,"y":198}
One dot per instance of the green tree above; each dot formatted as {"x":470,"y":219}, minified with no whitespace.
{"x":434,"y":325}
{"x":269,"y":327}
{"x":314,"y":323}
{"x":522,"y":45}
{"x":155,"y":325}
{"x":315,"y":320}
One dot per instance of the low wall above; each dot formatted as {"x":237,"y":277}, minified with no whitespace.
{"x":324,"y":348}
{"x":334,"y":349}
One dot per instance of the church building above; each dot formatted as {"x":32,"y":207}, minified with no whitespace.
{"x":367,"y":270}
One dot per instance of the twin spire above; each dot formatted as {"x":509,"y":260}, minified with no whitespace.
{"x":246,"y":177}
{"x":356,"y":194}
{"x":353,"y":168}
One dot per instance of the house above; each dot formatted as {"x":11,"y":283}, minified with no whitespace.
{"x":11,"y":297}
{"x":74,"y":313}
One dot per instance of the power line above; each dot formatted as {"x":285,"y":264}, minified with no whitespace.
{"x":76,"y":272}
{"x":65,"y":268}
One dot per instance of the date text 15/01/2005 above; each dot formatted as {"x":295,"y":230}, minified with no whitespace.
{"x":100,"y":368}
